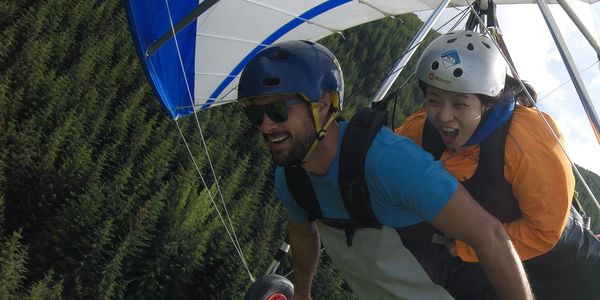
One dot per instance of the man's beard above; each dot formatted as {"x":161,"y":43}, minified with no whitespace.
{"x":294,"y":154}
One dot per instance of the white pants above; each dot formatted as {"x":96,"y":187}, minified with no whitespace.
{"x":378,"y":266}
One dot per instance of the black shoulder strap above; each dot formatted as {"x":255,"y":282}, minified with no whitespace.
{"x":301,"y":189}
{"x":492,"y":148}
{"x":357,"y":140}
{"x":361,"y":131}
{"x":432,"y":141}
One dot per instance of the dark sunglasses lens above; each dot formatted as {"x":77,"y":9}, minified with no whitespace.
{"x":254,"y":113}
{"x":277,"y":111}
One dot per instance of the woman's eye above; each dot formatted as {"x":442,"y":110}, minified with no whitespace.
{"x":432,"y":102}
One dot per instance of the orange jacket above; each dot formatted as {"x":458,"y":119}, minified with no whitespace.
{"x":540,"y":174}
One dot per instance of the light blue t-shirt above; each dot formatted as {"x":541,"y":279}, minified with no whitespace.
{"x":406,"y":185}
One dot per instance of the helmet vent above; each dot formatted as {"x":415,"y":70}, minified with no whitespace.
{"x":273,"y":81}
{"x":470,"y":46}
{"x":486,"y":45}
{"x":450,"y":41}
{"x":469,"y":35}
{"x":282,"y":54}
{"x":435,"y":65}
{"x":457,"y":72}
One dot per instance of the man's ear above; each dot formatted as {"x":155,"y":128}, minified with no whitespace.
{"x":325,"y":103}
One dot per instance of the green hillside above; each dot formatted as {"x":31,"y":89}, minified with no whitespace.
{"x":589,"y":208}
{"x":98,"y":195}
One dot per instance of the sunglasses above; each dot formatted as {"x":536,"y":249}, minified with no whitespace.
{"x":276,"y":111}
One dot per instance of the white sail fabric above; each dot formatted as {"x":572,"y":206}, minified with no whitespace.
{"x":222,"y":35}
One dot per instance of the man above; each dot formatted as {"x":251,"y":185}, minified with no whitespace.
{"x":292,"y":92}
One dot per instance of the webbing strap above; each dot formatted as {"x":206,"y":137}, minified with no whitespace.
{"x":488,"y":185}
{"x":491,"y":157}
{"x":432,"y":141}
{"x":357,"y":140}
{"x":301,"y":189}
{"x":360,"y":133}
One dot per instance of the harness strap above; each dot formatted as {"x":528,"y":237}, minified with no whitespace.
{"x":301,"y":189}
{"x":488,"y":185}
{"x":356,"y":142}
{"x":432,"y":141}
{"x":491,"y":157}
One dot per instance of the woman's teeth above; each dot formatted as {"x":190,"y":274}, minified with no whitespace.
{"x":449,"y":130}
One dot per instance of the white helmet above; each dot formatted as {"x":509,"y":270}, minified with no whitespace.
{"x":463,"y":62}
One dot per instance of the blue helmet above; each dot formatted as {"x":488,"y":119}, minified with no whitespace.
{"x":292,"y":67}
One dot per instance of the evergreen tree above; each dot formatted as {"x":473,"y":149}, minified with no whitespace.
{"x":99,"y":197}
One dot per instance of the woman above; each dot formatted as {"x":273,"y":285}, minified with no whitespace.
{"x":477,"y":120}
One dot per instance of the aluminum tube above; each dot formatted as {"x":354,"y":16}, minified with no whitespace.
{"x":410,"y":50}
{"x":585,"y":98}
{"x":584,"y":30}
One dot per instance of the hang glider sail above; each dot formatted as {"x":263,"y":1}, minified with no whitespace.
{"x":194,"y":51}
{"x":215,"y":38}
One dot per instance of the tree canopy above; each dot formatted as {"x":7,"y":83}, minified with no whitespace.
{"x":98,"y":195}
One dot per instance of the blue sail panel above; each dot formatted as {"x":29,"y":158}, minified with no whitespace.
{"x":149,"y":21}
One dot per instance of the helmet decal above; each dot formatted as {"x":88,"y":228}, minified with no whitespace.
{"x":450,"y":58}
{"x":463,"y":62}
{"x":440,"y":79}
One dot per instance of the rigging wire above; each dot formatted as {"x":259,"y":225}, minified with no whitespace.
{"x":538,"y":110}
{"x":462,"y":15}
{"x":230,"y":229}
{"x":596,"y":27}
{"x":568,"y":80}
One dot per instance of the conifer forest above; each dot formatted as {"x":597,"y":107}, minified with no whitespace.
{"x":99,"y":197}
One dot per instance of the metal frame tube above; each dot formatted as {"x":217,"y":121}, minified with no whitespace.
{"x":566,"y":5}
{"x":191,"y":17}
{"x":571,"y":68}
{"x":410,"y":50}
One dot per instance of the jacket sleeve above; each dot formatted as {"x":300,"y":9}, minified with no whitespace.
{"x":542,"y":181}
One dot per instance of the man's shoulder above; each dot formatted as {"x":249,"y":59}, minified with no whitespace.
{"x":386,"y":139}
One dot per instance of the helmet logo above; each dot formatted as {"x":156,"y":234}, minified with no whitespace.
{"x":432,"y":77}
{"x":450,"y":58}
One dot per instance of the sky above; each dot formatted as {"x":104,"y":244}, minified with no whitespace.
{"x":538,"y":61}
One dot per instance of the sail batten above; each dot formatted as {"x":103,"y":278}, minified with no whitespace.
{"x":217,"y":37}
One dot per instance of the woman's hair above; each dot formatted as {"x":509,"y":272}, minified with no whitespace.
{"x":512,"y":88}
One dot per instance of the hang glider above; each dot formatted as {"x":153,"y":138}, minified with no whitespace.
{"x":194,"y":51}
{"x":214,"y":39}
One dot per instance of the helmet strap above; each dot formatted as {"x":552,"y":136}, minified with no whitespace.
{"x":322,"y":131}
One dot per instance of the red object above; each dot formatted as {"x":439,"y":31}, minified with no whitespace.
{"x":277,"y":296}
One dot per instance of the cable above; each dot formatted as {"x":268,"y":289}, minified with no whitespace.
{"x":461,"y":13}
{"x":538,"y":111}
{"x":230,"y":230}
{"x":569,"y":80}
